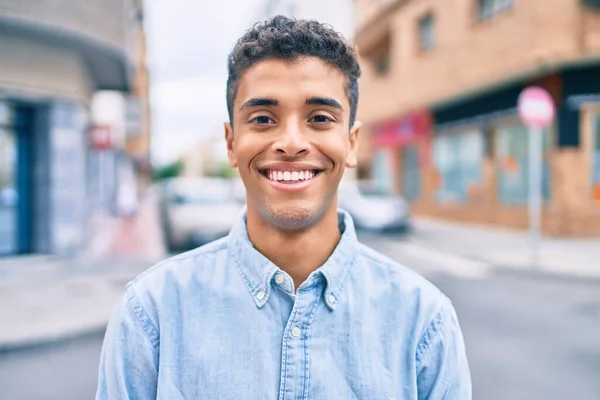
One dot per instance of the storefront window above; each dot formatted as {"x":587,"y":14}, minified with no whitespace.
{"x":458,"y":159}
{"x":382,"y":171}
{"x":596,"y":160}
{"x":513,"y":159}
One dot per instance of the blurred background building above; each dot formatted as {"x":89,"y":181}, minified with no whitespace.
{"x":439,"y":96}
{"x":337,"y":13}
{"x":207,"y":158}
{"x":74,"y":118}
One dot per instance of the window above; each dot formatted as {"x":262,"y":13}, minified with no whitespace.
{"x":596,"y":160}
{"x":382,"y":64}
{"x":489,"y":8}
{"x":458,"y":159}
{"x":411,"y":173}
{"x":379,"y":55}
{"x":427,"y":32}
{"x":513,"y":161}
{"x":382,"y":171}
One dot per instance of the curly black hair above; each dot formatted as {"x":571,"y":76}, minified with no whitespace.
{"x":289,"y":39}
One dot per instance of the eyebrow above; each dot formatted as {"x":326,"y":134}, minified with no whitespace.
{"x":259,"y":102}
{"x":324,"y":101}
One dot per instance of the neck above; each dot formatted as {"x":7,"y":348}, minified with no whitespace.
{"x":298,"y":253}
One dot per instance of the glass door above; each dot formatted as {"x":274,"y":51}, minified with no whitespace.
{"x":9,"y":198}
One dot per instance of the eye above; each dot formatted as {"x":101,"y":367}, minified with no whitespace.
{"x":262,"y":120}
{"x":321,"y":119}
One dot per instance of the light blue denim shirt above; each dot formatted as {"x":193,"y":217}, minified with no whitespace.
{"x":223,"y":322}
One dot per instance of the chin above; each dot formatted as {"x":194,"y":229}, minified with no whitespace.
{"x":294,"y":216}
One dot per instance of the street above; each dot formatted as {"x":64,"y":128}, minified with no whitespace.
{"x":59,"y":372}
{"x":528,"y":336}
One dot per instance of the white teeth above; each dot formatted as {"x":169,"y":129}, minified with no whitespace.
{"x":290,"y":175}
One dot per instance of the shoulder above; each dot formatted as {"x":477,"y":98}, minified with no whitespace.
{"x":397,"y":277}
{"x":404,"y":290}
{"x":172,"y":275}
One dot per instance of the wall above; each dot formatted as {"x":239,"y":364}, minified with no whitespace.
{"x":570,"y":210}
{"x":469,"y":55}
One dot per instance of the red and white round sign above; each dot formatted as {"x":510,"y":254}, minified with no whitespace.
{"x":536,"y":107}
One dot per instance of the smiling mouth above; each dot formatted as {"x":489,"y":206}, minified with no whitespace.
{"x":290,"y":177}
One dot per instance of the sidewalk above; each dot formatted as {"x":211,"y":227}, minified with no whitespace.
{"x":503,"y":248}
{"x":45,"y":299}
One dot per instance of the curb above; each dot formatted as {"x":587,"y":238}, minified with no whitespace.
{"x":546,"y":274}
{"x":41,"y":341}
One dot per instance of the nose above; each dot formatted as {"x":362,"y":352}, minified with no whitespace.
{"x":291,"y":141}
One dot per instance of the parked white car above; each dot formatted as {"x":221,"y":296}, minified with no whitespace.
{"x":374,"y":211}
{"x":197,"y":211}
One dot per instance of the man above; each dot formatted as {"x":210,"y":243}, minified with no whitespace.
{"x":289,"y":305}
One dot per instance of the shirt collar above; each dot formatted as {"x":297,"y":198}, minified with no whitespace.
{"x":257,"y":271}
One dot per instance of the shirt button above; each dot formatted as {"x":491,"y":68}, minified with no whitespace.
{"x":260,"y":295}
{"x":279,"y":279}
{"x":331,"y":298}
{"x":295,"y":331}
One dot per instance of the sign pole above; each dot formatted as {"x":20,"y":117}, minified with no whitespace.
{"x":537,"y":111}
{"x":535,"y":195}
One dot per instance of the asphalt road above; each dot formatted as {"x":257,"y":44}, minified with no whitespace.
{"x":66,"y":371}
{"x":528,"y":337}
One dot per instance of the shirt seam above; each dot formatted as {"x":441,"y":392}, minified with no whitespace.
{"x":179,"y":258}
{"x":372,"y":258}
{"x":250,"y":285}
{"x":142,"y":318}
{"x":434,"y":329}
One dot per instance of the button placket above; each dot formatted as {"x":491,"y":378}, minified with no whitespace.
{"x":294,"y":356}
{"x":296,"y":331}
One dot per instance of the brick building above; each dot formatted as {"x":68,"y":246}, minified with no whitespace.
{"x":438,"y":103}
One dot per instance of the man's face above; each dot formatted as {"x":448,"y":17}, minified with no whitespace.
{"x":291,"y":140}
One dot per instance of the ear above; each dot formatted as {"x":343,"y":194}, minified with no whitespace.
{"x":352,"y":157}
{"x":229,"y":140}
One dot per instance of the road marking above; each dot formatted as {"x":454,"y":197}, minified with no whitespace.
{"x":452,"y":264}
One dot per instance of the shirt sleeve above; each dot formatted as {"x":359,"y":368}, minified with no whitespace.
{"x":442,"y":366}
{"x":129,"y":357}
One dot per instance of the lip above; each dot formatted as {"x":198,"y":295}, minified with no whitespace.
{"x":291,"y":167}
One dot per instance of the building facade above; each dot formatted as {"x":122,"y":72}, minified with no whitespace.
{"x":54,"y":57}
{"x":439,"y":106}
